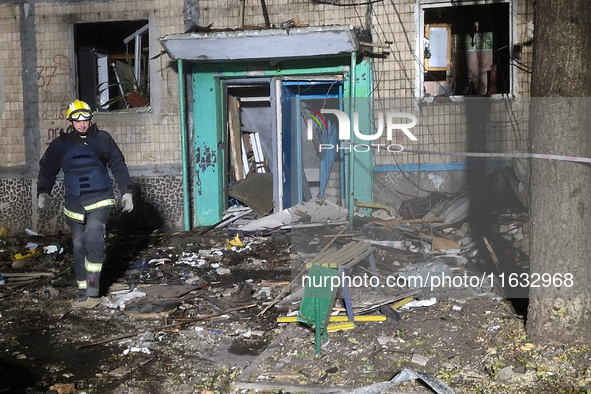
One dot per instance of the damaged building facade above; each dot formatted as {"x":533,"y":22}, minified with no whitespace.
{"x":213,"y":101}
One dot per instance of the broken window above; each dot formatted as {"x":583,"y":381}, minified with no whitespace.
{"x":466,"y":50}
{"x":271,"y":162}
{"x":112,"y":60}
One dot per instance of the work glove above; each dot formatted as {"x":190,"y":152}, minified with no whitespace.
{"x":127,"y":201}
{"x":43,"y":200}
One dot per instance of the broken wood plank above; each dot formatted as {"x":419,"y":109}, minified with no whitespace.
{"x":264,"y":283}
{"x":124,"y":370}
{"x":492,"y":254}
{"x":167,"y":291}
{"x":407,"y":231}
{"x":26,"y":274}
{"x":443,"y":244}
{"x":424,"y":220}
{"x":341,"y":256}
{"x":237,"y":164}
{"x":160,"y":328}
{"x":397,"y":298}
{"x":14,"y":280}
{"x":20,"y":282}
{"x":286,"y":288}
{"x":495,"y":260}
{"x":287,"y":387}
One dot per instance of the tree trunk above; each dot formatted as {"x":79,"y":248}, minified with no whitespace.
{"x":560,"y":123}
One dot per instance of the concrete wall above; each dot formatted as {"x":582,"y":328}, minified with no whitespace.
{"x":37,"y":82}
{"x":37,"y":74}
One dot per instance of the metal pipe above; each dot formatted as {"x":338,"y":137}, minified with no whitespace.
{"x":342,"y":188}
{"x":184,"y":148}
{"x":351,"y":164}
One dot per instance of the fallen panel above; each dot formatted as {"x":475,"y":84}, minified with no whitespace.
{"x":317,"y":211}
{"x":256,"y":191}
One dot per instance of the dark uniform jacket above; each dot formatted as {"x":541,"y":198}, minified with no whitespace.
{"x":85,"y":163}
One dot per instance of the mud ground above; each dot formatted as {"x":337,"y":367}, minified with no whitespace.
{"x":199,"y":342}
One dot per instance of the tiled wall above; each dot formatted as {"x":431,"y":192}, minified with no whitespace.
{"x":442,"y":124}
{"x":152,"y":138}
{"x":149,"y":138}
{"x":12,"y":140}
{"x":471,"y":125}
{"x":145,"y":138}
{"x":158,"y":205}
{"x":15,"y":204}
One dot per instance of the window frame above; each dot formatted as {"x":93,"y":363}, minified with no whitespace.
{"x":145,"y":73}
{"x":420,"y":7}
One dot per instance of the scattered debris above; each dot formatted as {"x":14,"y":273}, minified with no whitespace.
{"x":32,"y":233}
{"x":436,"y":384}
{"x":218,"y":307}
{"x":150,"y":308}
{"x":64,"y":388}
{"x":505,"y":373}
{"x":419,"y":359}
{"x":126,"y":369}
{"x":313,"y":213}
{"x":419,"y":303}
{"x":119,"y":300}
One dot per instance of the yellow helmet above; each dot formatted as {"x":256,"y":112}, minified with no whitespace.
{"x":78,"y":110}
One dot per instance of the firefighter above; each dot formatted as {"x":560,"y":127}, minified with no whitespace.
{"x":85,"y":154}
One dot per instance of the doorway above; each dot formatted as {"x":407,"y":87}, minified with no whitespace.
{"x":271,"y":163}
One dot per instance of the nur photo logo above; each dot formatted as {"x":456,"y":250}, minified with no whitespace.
{"x":388,"y":122}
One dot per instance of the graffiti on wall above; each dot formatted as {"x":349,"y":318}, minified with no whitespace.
{"x":54,"y":133}
{"x":58,"y":66}
{"x":54,"y":114}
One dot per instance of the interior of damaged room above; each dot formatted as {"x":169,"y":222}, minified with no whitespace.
{"x":335,"y":237}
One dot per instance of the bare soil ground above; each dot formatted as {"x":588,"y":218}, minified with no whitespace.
{"x":473,"y":339}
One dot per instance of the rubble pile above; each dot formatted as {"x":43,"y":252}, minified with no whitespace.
{"x":228,"y":308}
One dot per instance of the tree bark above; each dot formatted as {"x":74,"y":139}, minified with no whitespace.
{"x":560,"y":123}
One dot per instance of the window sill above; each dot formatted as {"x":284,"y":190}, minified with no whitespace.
{"x":459,"y":98}
{"x":128,"y":111}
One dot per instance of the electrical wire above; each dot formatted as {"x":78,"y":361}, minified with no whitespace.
{"x":338,"y":4}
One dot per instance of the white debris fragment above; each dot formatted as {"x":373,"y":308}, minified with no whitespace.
{"x":192,"y":259}
{"x":223,"y":271}
{"x":32,"y":233}
{"x":119,"y":300}
{"x":211,"y":252}
{"x":416,"y":303}
{"x":419,"y":359}
{"x":135,"y":349}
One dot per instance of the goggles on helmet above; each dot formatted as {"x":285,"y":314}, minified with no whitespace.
{"x":80,"y":114}
{"x":78,"y":110}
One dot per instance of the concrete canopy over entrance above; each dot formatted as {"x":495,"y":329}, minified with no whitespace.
{"x":271,"y":44}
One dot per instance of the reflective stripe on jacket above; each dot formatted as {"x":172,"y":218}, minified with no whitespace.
{"x":81,"y":216}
